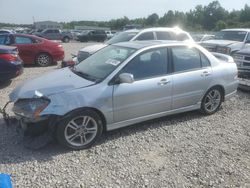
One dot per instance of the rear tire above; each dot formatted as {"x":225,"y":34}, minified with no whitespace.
{"x":43,"y":60}
{"x":66,"y":39}
{"x":211,"y":101}
{"x":80,"y":130}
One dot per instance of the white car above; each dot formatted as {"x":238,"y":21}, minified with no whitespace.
{"x":228,"y":41}
{"x":157,"y":33}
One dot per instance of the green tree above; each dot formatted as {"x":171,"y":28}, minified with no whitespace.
{"x":152,"y":20}
{"x":245,"y":14}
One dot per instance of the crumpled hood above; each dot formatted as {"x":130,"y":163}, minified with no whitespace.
{"x":51,"y":83}
{"x":218,"y":42}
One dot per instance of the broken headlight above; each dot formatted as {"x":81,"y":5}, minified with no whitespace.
{"x":30,"y":108}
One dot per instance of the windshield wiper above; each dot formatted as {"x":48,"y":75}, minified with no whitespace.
{"x":85,"y":75}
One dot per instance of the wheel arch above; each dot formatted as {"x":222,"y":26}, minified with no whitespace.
{"x":92,"y":109}
{"x":221,"y":88}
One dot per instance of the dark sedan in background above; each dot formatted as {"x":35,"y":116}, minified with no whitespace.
{"x":10,"y":63}
{"x":92,"y":35}
{"x":33,"y":49}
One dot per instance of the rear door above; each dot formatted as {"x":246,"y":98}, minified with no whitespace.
{"x":26,"y":48}
{"x":191,"y":77}
{"x":150,"y":93}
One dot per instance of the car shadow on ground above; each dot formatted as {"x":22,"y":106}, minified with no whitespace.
{"x":37,"y":66}
{"x":13,"y":150}
{"x":4,"y":84}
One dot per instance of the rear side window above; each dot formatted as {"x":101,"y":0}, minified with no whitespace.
{"x":185,"y":59}
{"x":23,"y":40}
{"x":146,"y":36}
{"x":204,"y":61}
{"x":182,"y":37}
{"x":100,"y":32}
{"x":163,"y":35}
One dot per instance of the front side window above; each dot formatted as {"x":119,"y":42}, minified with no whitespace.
{"x":23,"y":40}
{"x":248,"y":38}
{"x":99,"y":65}
{"x":149,"y":64}
{"x":146,"y":36}
{"x":2,"y":39}
{"x":185,"y":58}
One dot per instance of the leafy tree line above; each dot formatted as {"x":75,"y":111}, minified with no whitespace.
{"x":211,"y":17}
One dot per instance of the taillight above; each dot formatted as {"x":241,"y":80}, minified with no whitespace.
{"x":8,"y":57}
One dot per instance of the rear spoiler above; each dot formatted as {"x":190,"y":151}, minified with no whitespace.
{"x":223,"y":57}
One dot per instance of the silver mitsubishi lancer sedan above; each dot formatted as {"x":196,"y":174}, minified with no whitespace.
{"x":123,"y":84}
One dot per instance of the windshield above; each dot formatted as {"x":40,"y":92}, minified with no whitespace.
{"x":85,"y":32}
{"x":99,"y":65}
{"x":231,"y":35}
{"x":122,"y":37}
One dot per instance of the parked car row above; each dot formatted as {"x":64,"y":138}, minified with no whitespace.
{"x":34,"y":49}
{"x":135,"y":76}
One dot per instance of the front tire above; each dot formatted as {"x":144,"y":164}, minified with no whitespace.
{"x":212,"y":100}
{"x":43,"y":60}
{"x":80,"y":130}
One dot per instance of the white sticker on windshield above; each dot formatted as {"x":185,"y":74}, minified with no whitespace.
{"x":113,"y":62}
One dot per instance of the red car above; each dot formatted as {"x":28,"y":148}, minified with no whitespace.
{"x":33,"y":49}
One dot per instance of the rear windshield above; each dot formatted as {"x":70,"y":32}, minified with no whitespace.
{"x":122,"y":37}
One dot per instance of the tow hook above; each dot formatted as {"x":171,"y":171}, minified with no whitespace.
{"x":8,"y":120}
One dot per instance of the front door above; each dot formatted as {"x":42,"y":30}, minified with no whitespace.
{"x":150,"y":93}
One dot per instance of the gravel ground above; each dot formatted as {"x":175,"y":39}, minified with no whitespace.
{"x":185,"y":150}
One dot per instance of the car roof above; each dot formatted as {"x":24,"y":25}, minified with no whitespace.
{"x":173,"y":29}
{"x":24,"y":35}
{"x":6,"y":49}
{"x":237,"y":29}
{"x":143,"y":44}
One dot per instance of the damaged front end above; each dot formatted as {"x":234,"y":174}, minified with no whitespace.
{"x":6,"y":116}
{"x":37,"y":129}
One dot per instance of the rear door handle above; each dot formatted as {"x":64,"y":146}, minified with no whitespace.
{"x":205,"y":73}
{"x":163,"y":82}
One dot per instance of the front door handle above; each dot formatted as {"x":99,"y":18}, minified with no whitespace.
{"x":163,"y":82}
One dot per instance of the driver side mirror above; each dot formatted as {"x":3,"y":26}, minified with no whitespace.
{"x":126,"y":78}
{"x":247,"y":41}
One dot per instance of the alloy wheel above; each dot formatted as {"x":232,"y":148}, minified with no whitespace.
{"x":212,"y":100}
{"x":43,"y":60}
{"x":80,"y":131}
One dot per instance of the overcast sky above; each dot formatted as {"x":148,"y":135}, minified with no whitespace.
{"x":23,"y":11}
